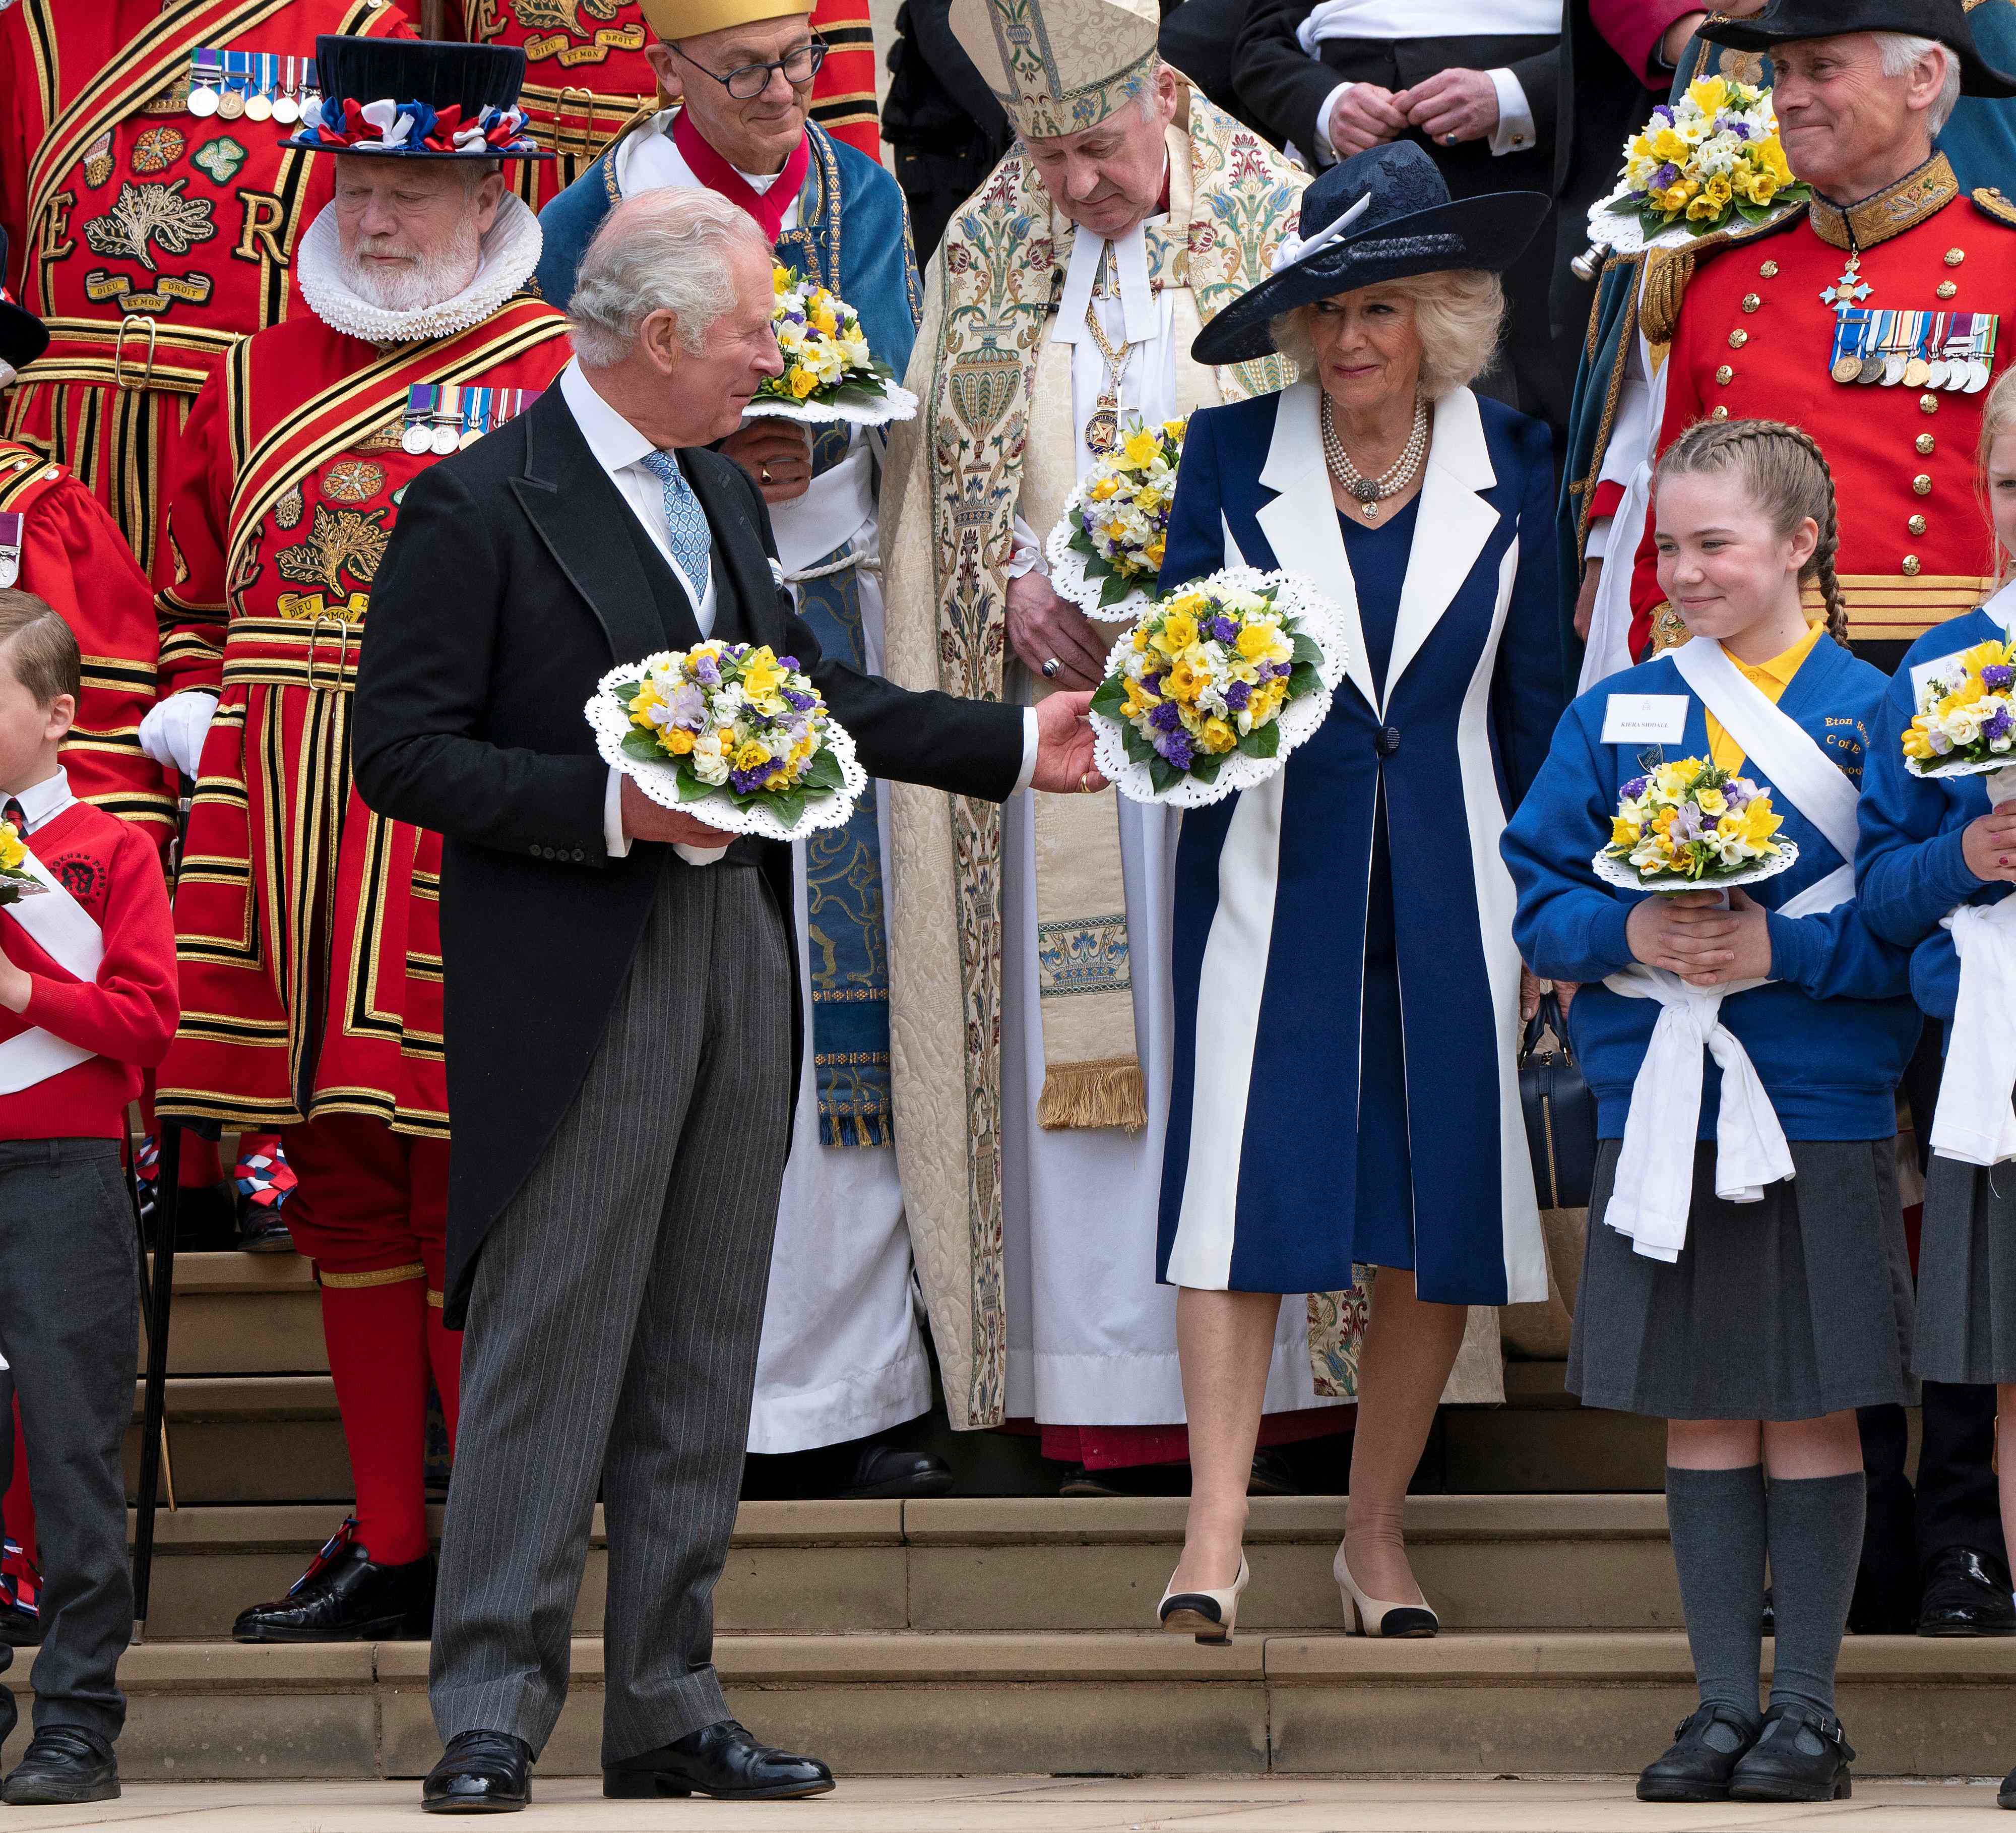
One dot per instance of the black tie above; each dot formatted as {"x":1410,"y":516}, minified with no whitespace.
{"x":15,"y":813}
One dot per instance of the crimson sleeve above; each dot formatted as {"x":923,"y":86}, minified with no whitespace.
{"x":188,"y":567}
{"x":1633,"y":28}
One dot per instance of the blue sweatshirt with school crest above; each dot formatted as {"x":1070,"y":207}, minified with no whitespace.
{"x":1831,"y":1033}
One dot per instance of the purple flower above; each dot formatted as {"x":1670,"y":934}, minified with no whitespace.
{"x":1688,"y":823}
{"x":1996,"y":726}
{"x":687,"y":707}
{"x":1225,"y":630}
{"x":1633,"y":789}
{"x":1664,"y":113}
{"x":706,"y":671}
{"x":1997,"y":675}
{"x":798,"y":702}
{"x":1165,"y":717}
{"x":1736,"y":794}
{"x":1237,"y":694}
{"x":790,"y":662}
{"x":1176,"y":748}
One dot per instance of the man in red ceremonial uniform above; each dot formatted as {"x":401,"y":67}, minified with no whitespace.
{"x":307,"y":926}
{"x":1876,"y":320}
{"x":153,"y":211}
{"x":589,"y":74}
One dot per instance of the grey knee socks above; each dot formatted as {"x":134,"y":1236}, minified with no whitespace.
{"x":1718,"y":1525}
{"x":1815,"y":1535}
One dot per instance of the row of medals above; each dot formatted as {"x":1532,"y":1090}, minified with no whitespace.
{"x":274,"y":88}
{"x":1964,"y":369}
{"x":445,"y":419}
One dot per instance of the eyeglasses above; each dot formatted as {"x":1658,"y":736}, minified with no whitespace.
{"x":749,"y":81}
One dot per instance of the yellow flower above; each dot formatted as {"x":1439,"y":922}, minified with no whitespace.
{"x":12,"y":852}
{"x":819,"y":313}
{"x":1105,"y":488}
{"x":1177,"y":632}
{"x":1916,"y":744}
{"x":1986,"y":655}
{"x":762,"y":674}
{"x":1718,"y":192}
{"x":1139,"y":699}
{"x":803,"y":383}
{"x":1185,"y":681}
{"x":1153,"y":552}
{"x":1671,"y":148}
{"x":1676,"y":200}
{"x":1264,"y":703}
{"x":1140,"y":640}
{"x":1708,"y":95}
{"x":1759,"y":823}
{"x":780,"y":280}
{"x":1218,"y":736}
{"x":751,"y":754}
{"x":1256,"y":642}
{"x":1712,"y":801}
{"x":1703,"y":209}
{"x":1143,"y":448}
{"x":677,"y":742}
{"x":1662,"y":822}
{"x":1622,"y":832}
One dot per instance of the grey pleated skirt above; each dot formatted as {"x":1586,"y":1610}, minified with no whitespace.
{"x":1967,"y":1275}
{"x":1784,"y":1310}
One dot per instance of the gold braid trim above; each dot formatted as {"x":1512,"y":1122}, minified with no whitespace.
{"x":388,"y":1276}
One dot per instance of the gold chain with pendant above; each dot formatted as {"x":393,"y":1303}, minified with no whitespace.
{"x":1102,"y":431}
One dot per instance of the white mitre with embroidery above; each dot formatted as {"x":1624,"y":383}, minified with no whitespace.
{"x":1059,"y":67}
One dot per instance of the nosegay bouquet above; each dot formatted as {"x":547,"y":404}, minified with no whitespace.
{"x":1106,"y":551}
{"x":16,"y":881}
{"x":1966,"y":721}
{"x":829,"y":373}
{"x":1214,"y":686}
{"x":1712,"y":156}
{"x":736,"y":732}
{"x":1693,"y":826}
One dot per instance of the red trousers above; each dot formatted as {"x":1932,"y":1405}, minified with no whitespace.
{"x":371,"y":1210}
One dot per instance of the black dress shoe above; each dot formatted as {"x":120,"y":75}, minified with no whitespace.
{"x":1706,"y":1750}
{"x":63,"y":1763}
{"x":261,"y":1231}
{"x":1963,"y":1597}
{"x":479,"y":1773}
{"x":344,"y":1597}
{"x":2008,"y":1797}
{"x":720,"y":1759}
{"x":1799,"y":1755}
{"x":883,"y":1470}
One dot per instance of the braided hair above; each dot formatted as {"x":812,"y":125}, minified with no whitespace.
{"x":1789,"y":479}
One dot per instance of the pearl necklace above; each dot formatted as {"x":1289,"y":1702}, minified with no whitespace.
{"x":1369,"y":491}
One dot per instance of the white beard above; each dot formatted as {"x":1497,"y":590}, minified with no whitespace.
{"x":427,"y":277}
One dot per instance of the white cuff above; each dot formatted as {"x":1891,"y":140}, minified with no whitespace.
{"x":1027,"y":555}
{"x":698,"y":856}
{"x":1031,"y":745}
{"x":613,"y":838}
{"x":1515,"y":132}
{"x":1325,"y":154}
{"x":1597,"y":546}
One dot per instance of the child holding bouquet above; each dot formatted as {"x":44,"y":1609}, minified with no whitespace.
{"x":1745,"y":1278}
{"x":1938,"y":855}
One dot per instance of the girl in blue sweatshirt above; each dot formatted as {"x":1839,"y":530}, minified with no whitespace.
{"x":1745,"y":1278}
{"x":1935,"y":866}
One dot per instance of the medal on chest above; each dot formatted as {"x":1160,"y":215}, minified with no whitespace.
{"x":10,"y":547}
{"x":1921,"y":350}
{"x":442,"y":419}
{"x":206,"y":84}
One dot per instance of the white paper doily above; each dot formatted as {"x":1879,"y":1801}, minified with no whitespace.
{"x":897,"y":403}
{"x":1069,"y":580}
{"x":1315,"y":617}
{"x":1997,"y":793}
{"x":1621,"y":232}
{"x":13,"y":889}
{"x":1624,"y":875}
{"x":610,"y":720}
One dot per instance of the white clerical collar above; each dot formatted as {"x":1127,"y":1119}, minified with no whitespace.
{"x":650,"y":159}
{"x":617,"y":444}
{"x":510,"y":252}
{"x":1130,"y":265}
{"x":42,"y":802}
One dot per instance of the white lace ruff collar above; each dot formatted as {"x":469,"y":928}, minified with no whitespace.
{"x":510,"y":252}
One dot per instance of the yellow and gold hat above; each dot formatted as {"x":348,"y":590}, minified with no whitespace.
{"x":1059,"y":67}
{"x":689,"y":19}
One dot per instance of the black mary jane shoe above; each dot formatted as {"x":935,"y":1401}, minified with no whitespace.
{"x":1962,"y":1597}
{"x":1706,"y":1749}
{"x":63,"y":1763}
{"x":1801,"y":1754}
{"x":479,"y":1773}
{"x":345,"y":1595}
{"x":722,"y":1760}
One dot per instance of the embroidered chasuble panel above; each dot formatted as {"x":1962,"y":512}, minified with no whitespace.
{"x":308,"y":926}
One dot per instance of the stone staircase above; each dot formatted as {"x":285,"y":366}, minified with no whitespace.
{"x":1009,"y":1634}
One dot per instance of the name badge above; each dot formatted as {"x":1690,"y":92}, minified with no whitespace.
{"x":1645,"y":719}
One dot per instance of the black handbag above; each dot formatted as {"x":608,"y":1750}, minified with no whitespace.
{"x":1560,"y":1113}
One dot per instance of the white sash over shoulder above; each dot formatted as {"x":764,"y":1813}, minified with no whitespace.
{"x":1975,"y":1122}
{"x":66,"y":933}
{"x":1654,"y":1184}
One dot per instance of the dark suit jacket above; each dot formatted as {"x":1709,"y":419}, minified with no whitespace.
{"x":511,"y":585}
{"x":1284,"y":88}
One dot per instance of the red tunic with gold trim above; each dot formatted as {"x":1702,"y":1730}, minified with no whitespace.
{"x":73,"y":558}
{"x":308,"y":926}
{"x":1756,"y":340}
{"x":586,"y":76}
{"x":149,"y":239}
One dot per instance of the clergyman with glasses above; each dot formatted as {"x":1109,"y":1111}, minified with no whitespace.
{"x":843,"y":1362}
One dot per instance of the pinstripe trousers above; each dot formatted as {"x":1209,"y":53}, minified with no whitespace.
{"x":612,"y":1334}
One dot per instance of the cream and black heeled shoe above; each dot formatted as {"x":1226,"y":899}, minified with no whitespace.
{"x":1209,"y":1615}
{"x":1372,"y":1616}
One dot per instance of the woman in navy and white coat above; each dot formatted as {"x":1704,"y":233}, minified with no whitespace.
{"x":1347,"y":993}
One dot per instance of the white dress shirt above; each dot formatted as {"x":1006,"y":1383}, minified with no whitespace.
{"x":42,"y":802}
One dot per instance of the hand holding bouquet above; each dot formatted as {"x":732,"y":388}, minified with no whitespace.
{"x":829,"y":373}
{"x":1692,"y":826}
{"x":1214,"y":686}
{"x":1105,"y":552}
{"x":1712,"y":157}
{"x":16,"y":881}
{"x":734,"y":726}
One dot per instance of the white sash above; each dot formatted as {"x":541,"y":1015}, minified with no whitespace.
{"x":1654,"y":1184}
{"x":1608,"y":650}
{"x":66,"y":933}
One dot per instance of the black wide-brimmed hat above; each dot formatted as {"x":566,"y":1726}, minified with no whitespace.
{"x":417,"y":99}
{"x":1383,"y":215}
{"x":1783,"y":21}
{"x":23,"y":336}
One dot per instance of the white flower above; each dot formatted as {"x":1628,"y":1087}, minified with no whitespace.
{"x":1962,"y":726}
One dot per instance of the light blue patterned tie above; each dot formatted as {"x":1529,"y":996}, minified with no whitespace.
{"x":693,"y":542}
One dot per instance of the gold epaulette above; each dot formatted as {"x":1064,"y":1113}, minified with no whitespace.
{"x":1991,"y":203}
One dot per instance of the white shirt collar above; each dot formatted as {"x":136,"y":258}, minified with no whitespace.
{"x":42,"y":802}
{"x":617,"y":444}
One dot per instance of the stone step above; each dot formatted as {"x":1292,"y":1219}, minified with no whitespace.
{"x":248,"y":1438}
{"x":1599,"y":1704}
{"x":244,"y":1314}
{"x":1094,"y":1564}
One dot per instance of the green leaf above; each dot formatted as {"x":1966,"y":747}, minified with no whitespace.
{"x":1303,"y":679}
{"x":1308,"y":649}
{"x":1263,"y":741}
{"x":1080,"y":542}
{"x":1139,"y":749}
{"x":787,"y":804}
{"x":823,"y":772}
{"x":1205,"y":768}
{"x":1117,"y":587}
{"x":639,"y":743}
{"x":627,"y":691}
{"x":1162,"y":773}
{"x":691,"y":788}
{"x":1110,"y":697}
{"x":1629,"y":204}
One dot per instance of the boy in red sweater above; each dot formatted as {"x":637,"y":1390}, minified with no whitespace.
{"x":87,"y":1002}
